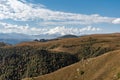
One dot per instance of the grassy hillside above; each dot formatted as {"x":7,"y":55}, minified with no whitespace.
{"x":73,"y":45}
{"x":32,"y":59}
{"x":105,"y":67}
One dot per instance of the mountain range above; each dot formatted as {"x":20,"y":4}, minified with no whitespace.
{"x":14,"y":38}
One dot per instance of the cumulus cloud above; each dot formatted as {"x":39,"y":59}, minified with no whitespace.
{"x":75,"y":31}
{"x":10,"y":28}
{"x":116,"y":21}
{"x":21,"y":10}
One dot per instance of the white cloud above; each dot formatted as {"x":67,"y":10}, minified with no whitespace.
{"x":10,"y":28}
{"x":75,"y":31}
{"x":21,"y":10}
{"x":116,"y":21}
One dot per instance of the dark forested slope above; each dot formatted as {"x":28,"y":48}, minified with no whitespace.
{"x":20,"y":62}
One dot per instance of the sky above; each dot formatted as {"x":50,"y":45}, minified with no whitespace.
{"x":35,"y":17}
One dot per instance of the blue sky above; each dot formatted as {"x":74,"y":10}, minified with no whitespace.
{"x":101,"y":7}
{"x":77,"y":17}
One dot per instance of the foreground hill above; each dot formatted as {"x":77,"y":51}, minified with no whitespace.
{"x":20,"y":62}
{"x":32,"y":59}
{"x":105,"y":67}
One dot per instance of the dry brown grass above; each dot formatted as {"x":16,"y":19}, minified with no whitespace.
{"x":72,"y":45}
{"x":105,"y":67}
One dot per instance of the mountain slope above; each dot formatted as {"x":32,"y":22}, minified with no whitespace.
{"x":73,"y":45}
{"x":105,"y":67}
{"x":20,"y":62}
{"x":31,"y":59}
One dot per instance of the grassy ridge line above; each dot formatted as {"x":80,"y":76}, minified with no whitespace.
{"x":73,"y":45}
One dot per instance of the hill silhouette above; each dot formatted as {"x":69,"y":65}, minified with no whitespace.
{"x":69,"y":36}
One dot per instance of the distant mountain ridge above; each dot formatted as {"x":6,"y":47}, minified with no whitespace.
{"x":14,"y":38}
{"x":68,"y":36}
